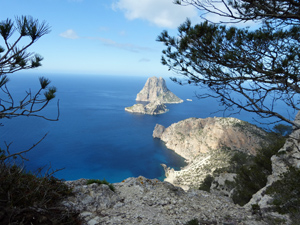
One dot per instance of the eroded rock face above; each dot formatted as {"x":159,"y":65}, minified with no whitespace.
{"x":156,"y":89}
{"x":207,"y":144}
{"x":153,"y":108}
{"x":149,"y":201}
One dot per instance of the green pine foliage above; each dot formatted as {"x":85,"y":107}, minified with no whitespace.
{"x":240,"y":65}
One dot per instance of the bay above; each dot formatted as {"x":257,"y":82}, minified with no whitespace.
{"x":95,"y":137}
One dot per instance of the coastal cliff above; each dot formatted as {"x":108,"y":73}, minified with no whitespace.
{"x":193,"y":136}
{"x":207,"y":144}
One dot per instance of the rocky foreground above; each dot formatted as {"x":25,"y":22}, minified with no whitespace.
{"x":149,"y":201}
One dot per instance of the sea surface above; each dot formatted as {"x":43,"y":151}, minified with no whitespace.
{"x":95,"y":137}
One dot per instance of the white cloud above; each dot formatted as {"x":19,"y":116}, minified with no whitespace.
{"x":70,"y":34}
{"x":144,"y":60}
{"x":162,"y":13}
{"x":125,"y":46}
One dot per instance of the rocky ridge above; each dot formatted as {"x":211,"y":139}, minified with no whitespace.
{"x":149,"y":201}
{"x":207,"y":144}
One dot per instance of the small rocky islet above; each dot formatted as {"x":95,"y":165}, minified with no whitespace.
{"x":153,"y":98}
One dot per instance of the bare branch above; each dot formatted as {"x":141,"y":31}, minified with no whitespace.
{"x":21,"y":153}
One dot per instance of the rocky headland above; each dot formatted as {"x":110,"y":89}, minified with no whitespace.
{"x":207,"y":144}
{"x":156,"y":94}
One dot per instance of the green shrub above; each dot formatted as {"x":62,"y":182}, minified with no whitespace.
{"x":286,"y":193}
{"x":206,"y":184}
{"x":97,"y":181}
{"x":193,"y":222}
{"x":252,"y":176}
{"x":238,"y":160}
{"x":249,"y":180}
{"x":282,"y":129}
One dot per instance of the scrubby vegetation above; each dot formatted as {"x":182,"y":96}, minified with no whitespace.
{"x":206,"y":184}
{"x":193,"y":222}
{"x":97,"y":181}
{"x":286,"y":194}
{"x":201,"y":222}
{"x":252,"y":177}
{"x":252,"y":171}
{"x":27,"y":198}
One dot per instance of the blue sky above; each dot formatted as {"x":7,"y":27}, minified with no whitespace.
{"x":102,"y":36}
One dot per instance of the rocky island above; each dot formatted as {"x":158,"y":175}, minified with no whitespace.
{"x":156,"y":89}
{"x":152,"y":108}
{"x":154,"y":96}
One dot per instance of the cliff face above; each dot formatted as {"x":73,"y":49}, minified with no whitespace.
{"x":207,"y":144}
{"x":156,"y":89}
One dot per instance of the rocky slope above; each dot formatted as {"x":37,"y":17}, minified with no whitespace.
{"x":152,"y":108}
{"x":156,"y":89}
{"x":143,"y":201}
{"x":207,"y":144}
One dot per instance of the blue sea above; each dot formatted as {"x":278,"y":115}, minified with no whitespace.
{"x":95,"y":137}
